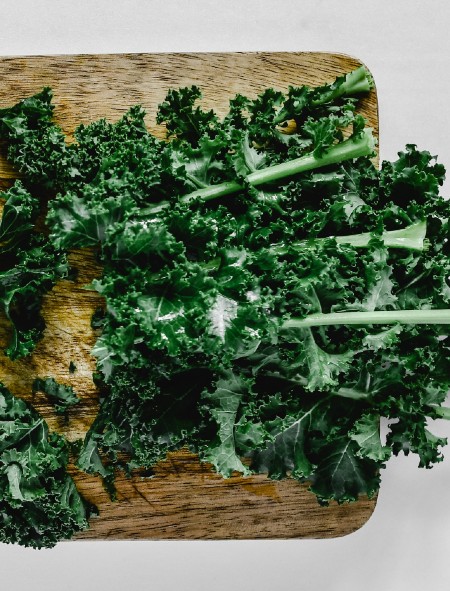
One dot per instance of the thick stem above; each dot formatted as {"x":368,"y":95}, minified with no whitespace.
{"x":346,"y":150}
{"x":412,"y":238}
{"x":443,"y":412}
{"x":368,"y":318}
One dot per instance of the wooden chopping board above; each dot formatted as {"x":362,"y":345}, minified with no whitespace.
{"x":185,"y":499}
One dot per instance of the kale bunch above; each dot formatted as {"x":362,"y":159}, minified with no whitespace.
{"x":269,"y":293}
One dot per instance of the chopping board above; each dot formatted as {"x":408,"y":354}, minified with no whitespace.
{"x":184,"y":499}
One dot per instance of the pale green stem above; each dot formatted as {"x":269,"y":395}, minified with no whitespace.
{"x":411,"y":238}
{"x":442,"y":411}
{"x":369,"y":318}
{"x":346,"y":150}
{"x":357,"y":81}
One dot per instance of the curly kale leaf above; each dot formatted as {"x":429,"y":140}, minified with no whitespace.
{"x":341,"y":474}
{"x":366,"y":433}
{"x":161,"y":414}
{"x":223,"y":404}
{"x":30,"y":266}
{"x":39,"y":503}
{"x":26,"y":115}
{"x":62,"y":396}
{"x":286,"y":452}
{"x":18,"y":217}
{"x":181,"y":118}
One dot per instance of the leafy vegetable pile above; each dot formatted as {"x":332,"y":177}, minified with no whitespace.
{"x":270,"y":294}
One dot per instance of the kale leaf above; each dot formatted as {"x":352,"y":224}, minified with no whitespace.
{"x":39,"y":503}
{"x":30,"y":266}
{"x":63,"y":397}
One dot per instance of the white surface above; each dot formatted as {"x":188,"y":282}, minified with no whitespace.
{"x":406,"y":544}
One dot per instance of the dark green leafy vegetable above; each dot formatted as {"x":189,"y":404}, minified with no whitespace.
{"x":269,"y":293}
{"x":63,"y":397}
{"x":39,"y":503}
{"x":29,"y":267}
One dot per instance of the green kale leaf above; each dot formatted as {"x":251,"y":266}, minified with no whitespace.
{"x":39,"y":503}
{"x":30,"y":266}
{"x":62,"y":396}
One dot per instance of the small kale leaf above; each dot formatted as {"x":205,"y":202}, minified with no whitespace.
{"x":62,"y":396}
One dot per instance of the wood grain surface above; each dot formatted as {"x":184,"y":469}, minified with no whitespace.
{"x":185,"y":499}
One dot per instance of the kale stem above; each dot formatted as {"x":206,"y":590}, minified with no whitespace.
{"x":346,"y":150}
{"x":214,"y":191}
{"x":362,"y":145}
{"x":355,"y":82}
{"x":368,"y":318}
{"x":443,"y":412}
{"x":412,"y":238}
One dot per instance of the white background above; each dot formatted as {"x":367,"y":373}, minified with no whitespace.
{"x":405,"y":43}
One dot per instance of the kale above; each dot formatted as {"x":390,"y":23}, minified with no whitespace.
{"x":269,"y":293}
{"x":39,"y":503}
{"x":63,"y":397}
{"x":30,"y":266}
